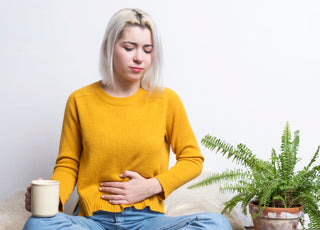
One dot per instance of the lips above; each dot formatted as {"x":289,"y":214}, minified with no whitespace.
{"x":136,"y":69}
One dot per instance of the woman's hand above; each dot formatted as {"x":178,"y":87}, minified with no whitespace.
{"x":28,"y":197}
{"x":135,"y":190}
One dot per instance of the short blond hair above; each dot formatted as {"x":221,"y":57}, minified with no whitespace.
{"x":152,"y":79}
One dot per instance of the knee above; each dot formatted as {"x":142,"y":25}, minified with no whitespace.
{"x":34,"y":223}
{"x":216,"y":220}
{"x":31,"y":223}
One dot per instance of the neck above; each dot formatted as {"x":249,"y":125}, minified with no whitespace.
{"x":122,"y":90}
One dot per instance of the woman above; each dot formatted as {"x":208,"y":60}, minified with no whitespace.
{"x":116,"y":140}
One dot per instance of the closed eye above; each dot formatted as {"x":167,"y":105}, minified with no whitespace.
{"x":148,"y":49}
{"x":128,"y":49}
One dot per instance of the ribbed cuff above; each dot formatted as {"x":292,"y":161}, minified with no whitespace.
{"x":168,"y":184}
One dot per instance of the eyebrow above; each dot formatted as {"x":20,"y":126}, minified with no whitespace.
{"x":135,"y":44}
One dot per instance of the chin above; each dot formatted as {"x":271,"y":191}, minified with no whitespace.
{"x":134,"y":78}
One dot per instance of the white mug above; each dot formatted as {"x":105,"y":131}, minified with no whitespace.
{"x":44,"y":198}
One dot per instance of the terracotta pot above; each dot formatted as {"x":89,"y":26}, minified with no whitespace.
{"x":276,"y":218}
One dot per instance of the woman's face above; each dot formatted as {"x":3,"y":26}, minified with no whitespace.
{"x":133,"y":54}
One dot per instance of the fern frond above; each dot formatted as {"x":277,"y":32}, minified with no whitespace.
{"x":268,"y":194}
{"x":280,"y":198}
{"x":314,"y":216}
{"x":314,"y":158}
{"x":288,"y":158}
{"x":274,"y":160}
{"x":286,"y":139}
{"x":249,"y":196}
{"x":228,"y":175}
{"x":295,"y":144}
{"x":262,"y":180}
{"x":241,"y":155}
{"x":312,"y":209}
{"x":294,"y":151}
{"x":265,"y":169}
{"x":230,"y":204}
{"x":316,"y":186}
{"x":212,"y":142}
{"x":244,"y":156}
{"x":305,"y":179}
{"x":239,"y":187}
{"x":271,"y":182}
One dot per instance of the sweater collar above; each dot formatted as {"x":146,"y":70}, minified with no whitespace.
{"x":119,"y":100}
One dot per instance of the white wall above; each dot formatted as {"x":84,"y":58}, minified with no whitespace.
{"x":242,"y":69}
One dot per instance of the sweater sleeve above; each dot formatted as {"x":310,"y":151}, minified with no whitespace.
{"x":66,"y":168}
{"x":184,"y":144}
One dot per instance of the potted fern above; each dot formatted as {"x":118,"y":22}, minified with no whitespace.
{"x":269,"y":185}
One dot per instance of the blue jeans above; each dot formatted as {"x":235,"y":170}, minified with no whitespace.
{"x":130,"y":219}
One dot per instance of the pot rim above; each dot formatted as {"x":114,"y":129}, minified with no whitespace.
{"x":291,"y":209}
{"x":276,"y":213}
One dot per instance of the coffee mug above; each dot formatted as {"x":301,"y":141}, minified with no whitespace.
{"x":44,"y":198}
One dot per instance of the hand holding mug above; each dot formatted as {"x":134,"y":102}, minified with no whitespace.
{"x":42,"y":198}
{"x":28,"y":197}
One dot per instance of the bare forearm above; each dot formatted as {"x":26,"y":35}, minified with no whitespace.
{"x":155,"y":186}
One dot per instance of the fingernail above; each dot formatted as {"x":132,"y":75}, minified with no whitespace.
{"x":121,"y":175}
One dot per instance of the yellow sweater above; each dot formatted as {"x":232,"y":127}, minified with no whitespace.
{"x":102,"y":136}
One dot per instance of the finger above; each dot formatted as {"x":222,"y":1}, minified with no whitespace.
{"x":112,"y":184}
{"x":115,"y":191}
{"x":27,"y":199}
{"x":27,"y":195}
{"x":112,"y":197}
{"x":28,"y":204}
{"x":117,"y":202}
{"x":28,"y":207}
{"x":130,"y":174}
{"x":29,"y":188}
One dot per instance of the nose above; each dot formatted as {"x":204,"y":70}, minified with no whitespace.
{"x":138,"y":57}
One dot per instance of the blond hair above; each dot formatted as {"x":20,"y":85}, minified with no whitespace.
{"x":152,"y":79}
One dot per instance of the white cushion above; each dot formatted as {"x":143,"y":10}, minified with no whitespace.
{"x":184,"y":201}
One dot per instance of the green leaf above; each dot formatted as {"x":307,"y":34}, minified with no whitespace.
{"x":270,"y":182}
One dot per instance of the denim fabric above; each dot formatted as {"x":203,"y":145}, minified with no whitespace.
{"x":130,"y":219}
{"x":62,"y":221}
